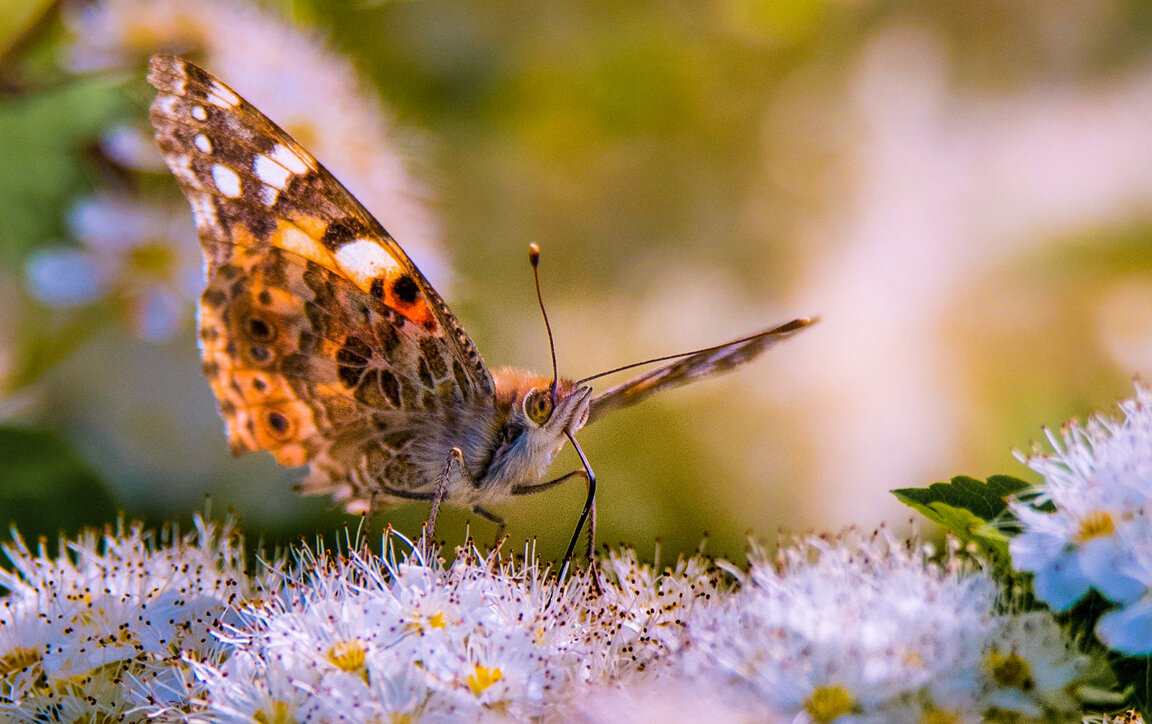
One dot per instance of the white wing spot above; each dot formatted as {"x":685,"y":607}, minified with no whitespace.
{"x":182,"y":168}
{"x":202,"y":143}
{"x":199,"y":113}
{"x":268,"y":195}
{"x":284,"y":156}
{"x":221,"y":97}
{"x":364,"y":260}
{"x":169,"y":106}
{"x":226,"y":180}
{"x":204,"y":210}
{"x":270,"y":172}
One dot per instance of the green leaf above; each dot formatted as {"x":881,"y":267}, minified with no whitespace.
{"x":45,"y":138}
{"x":47,"y":487}
{"x":967,"y":507}
{"x":44,"y":342}
{"x":1135,"y":675}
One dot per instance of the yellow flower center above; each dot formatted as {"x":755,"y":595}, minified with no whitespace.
{"x":420,"y":623}
{"x":280,"y":714}
{"x":827,"y":703}
{"x":1096,"y":524}
{"x":348,"y":655}
{"x":1010,"y":670}
{"x":483,"y":677}
{"x":156,"y":260}
{"x":936,"y":716}
{"x":913,"y":659}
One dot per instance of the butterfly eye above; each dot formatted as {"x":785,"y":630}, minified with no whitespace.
{"x":538,"y":405}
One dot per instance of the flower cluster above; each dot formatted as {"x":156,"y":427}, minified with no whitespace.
{"x":846,"y":629}
{"x":1087,"y":528}
{"x":874,"y":630}
{"x":137,"y":253}
{"x":362,"y":638}
{"x":82,"y":633}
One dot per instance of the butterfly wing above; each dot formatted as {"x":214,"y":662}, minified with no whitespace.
{"x":322,"y":340}
{"x":705,"y":363}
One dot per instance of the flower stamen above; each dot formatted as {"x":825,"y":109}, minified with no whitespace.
{"x":829,"y":702}
{"x":1097,"y":524}
{"x":348,"y":655}
{"x":483,"y":677}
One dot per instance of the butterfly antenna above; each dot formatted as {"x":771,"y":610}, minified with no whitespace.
{"x":534,"y":259}
{"x":789,"y":327}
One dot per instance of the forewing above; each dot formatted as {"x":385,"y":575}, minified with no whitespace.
{"x":238,"y":168}
{"x":322,"y":341}
{"x":706,"y":363}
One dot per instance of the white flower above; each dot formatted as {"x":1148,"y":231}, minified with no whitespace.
{"x":1128,"y":628}
{"x":141,"y":255}
{"x":847,"y":630}
{"x":1031,"y":665}
{"x":664,"y":698}
{"x":649,"y":610}
{"x":1099,"y":482}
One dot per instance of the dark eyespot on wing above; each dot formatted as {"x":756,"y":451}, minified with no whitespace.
{"x":278,"y":423}
{"x":405,"y":289}
{"x":260,"y":330}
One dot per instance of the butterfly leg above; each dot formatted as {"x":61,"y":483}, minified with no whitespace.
{"x":453,"y":468}
{"x":589,"y":514}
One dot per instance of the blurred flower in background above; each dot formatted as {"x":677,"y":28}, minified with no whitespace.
{"x":145,"y":254}
{"x":962,"y":192}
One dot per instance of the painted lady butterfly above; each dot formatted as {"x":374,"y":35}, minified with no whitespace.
{"x":326,"y":346}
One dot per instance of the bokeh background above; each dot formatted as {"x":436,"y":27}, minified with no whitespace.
{"x":961,"y":190}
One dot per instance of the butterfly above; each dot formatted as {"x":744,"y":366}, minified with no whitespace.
{"x":326,"y":346}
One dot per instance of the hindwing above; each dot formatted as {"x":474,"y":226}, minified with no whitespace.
{"x":698,"y":365}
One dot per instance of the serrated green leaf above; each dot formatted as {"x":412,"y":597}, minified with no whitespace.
{"x":967,"y":507}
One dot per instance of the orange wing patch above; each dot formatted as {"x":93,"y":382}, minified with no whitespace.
{"x":364,"y":261}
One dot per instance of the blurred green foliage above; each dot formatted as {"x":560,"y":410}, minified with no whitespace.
{"x":47,"y":487}
{"x":48,"y":139}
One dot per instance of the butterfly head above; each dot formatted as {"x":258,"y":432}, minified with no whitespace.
{"x":534,"y":420}
{"x":554,"y":410}
{"x":541,"y":409}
